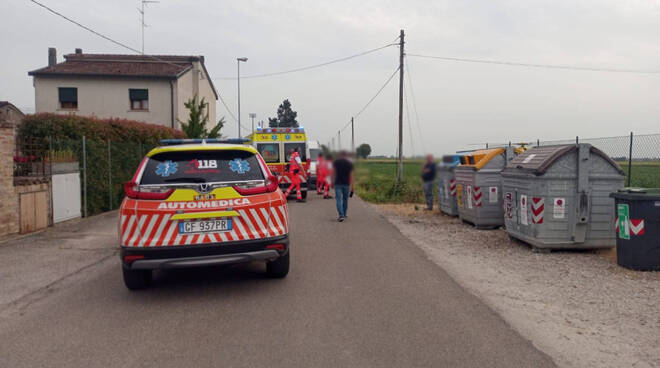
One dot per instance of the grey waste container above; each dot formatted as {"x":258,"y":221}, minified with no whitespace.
{"x":558,"y":197}
{"x":447,"y":185}
{"x":638,"y":228}
{"x":478,"y":185}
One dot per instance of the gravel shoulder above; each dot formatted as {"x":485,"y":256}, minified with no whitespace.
{"x":580,"y":308}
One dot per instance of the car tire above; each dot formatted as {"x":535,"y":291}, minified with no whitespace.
{"x":278,"y":268}
{"x":136,"y":279}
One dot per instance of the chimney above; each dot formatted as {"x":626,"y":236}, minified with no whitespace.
{"x":52,"y":56}
{"x":78,"y":51}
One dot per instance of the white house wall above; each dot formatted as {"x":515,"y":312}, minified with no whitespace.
{"x":106,"y":98}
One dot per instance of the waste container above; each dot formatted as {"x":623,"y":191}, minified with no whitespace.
{"x":638,"y":228}
{"x":558,"y":197}
{"x":478,"y":186}
{"x":447,"y":185}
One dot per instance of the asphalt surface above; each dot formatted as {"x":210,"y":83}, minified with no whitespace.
{"x":359,"y":294}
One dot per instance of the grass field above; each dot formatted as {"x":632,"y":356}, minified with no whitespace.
{"x":375,"y":180}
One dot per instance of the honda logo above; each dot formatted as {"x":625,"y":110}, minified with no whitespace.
{"x":203,"y":188}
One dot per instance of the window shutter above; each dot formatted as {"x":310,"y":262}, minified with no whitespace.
{"x":68,"y":94}
{"x":138,"y":94}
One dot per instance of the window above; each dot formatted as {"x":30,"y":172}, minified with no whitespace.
{"x":191,"y":167}
{"x":269,"y":151}
{"x":302,"y":150}
{"x":139,"y":99}
{"x":68,"y":97}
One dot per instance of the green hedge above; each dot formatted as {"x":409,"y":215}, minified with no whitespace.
{"x":114,"y":149}
{"x":74,"y":127}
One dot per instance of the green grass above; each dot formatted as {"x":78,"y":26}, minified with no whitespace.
{"x":374,"y":180}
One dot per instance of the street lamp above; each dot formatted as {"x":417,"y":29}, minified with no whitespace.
{"x":252,"y":116}
{"x":238,"y":64}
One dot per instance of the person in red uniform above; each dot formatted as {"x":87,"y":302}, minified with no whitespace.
{"x":295,"y":168}
{"x":319,"y":173}
{"x":327,"y":177}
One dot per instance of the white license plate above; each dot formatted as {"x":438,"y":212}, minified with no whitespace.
{"x":205,"y":226}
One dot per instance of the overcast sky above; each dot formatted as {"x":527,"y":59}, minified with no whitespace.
{"x":458,"y":103}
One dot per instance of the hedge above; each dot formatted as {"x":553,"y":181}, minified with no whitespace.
{"x":114,"y":149}
{"x":56,"y":126}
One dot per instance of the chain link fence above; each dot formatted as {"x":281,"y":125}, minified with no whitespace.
{"x":638,"y":155}
{"x":104,"y":167}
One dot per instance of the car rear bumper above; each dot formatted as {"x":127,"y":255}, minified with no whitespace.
{"x":186,"y":256}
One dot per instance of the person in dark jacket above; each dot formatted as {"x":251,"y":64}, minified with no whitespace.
{"x":428,"y":178}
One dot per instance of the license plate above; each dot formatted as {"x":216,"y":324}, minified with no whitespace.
{"x":205,"y":226}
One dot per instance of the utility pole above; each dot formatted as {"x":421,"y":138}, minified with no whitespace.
{"x":399,"y":171}
{"x":352,"y":136}
{"x":339,"y":140}
{"x":142,"y":23}
{"x":333,"y":143}
{"x":238,"y":78}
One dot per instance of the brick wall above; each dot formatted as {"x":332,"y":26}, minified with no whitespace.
{"x":8,"y":196}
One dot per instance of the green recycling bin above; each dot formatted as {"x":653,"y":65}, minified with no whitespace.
{"x":638,"y":228}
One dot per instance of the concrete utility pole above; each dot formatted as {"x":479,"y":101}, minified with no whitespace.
{"x":352,"y":136}
{"x":339,"y":140}
{"x":333,"y":143}
{"x":399,"y":170}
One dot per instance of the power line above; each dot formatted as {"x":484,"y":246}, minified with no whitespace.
{"x":412,"y":146}
{"x":373,"y":98}
{"x":412,"y":94}
{"x":311,"y":66}
{"x":531,"y":65}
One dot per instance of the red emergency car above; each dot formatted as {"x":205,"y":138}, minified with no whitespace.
{"x":195,"y":203}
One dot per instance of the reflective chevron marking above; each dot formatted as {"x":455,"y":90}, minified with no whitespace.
{"x":636,"y":226}
{"x":478,"y":195}
{"x":538,"y":205}
{"x":452,"y":187}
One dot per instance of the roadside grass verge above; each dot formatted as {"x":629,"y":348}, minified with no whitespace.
{"x":375,"y":181}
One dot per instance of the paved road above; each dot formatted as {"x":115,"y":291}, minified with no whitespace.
{"x":359,"y":295}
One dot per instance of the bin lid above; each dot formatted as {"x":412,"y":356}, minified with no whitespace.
{"x":634,"y":193}
{"x":479,"y":158}
{"x":450,"y":161}
{"x":539,"y":159}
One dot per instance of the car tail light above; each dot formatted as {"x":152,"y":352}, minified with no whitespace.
{"x":279,"y":247}
{"x":132,"y":258}
{"x":134,"y":191}
{"x":269,"y":186}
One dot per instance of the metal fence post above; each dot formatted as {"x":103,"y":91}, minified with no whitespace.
{"x":84,"y":157}
{"x":109,"y":177}
{"x":630,"y":159}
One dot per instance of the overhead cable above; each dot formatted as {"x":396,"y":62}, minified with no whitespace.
{"x":532,"y":65}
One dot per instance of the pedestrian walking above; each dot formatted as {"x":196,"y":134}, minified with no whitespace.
{"x":428,"y":178}
{"x":327,"y":176}
{"x":343,"y":180}
{"x":295,"y":168}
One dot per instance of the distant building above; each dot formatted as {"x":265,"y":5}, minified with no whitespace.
{"x":146,"y":88}
{"x":10,"y":114}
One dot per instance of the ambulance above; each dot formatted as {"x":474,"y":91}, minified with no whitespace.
{"x":194,"y":203}
{"x":275,"y":145}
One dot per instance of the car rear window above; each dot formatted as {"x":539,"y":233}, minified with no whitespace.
{"x":201,"y":167}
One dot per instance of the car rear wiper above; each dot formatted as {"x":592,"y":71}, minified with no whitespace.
{"x":185,"y":180}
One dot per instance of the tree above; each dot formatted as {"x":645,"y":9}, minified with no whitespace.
{"x":198,"y":117}
{"x":286,"y":117}
{"x":363,"y":150}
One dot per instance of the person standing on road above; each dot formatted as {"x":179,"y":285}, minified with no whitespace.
{"x":428,"y":178}
{"x":295,"y":168}
{"x":320,"y":171}
{"x":343,"y":180}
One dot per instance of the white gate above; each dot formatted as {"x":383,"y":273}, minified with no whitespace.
{"x":66,"y":196}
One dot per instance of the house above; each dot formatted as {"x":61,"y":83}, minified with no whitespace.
{"x":149,"y":88}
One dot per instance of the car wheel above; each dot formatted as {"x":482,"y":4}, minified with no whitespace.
{"x":278,"y":268}
{"x":136,"y":279}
